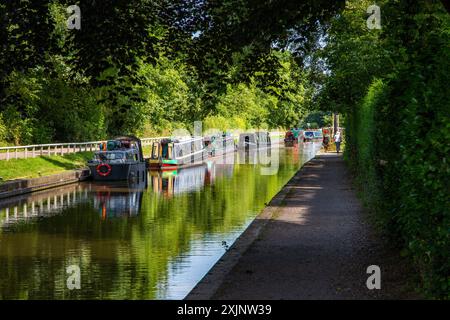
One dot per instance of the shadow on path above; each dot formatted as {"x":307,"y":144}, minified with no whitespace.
{"x":318,"y":246}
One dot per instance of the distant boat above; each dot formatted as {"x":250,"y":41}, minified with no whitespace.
{"x":119,"y":159}
{"x":290,"y":139}
{"x":311,"y":135}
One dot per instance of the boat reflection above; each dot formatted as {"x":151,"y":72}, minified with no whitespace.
{"x":170,"y":183}
{"x":254,"y":156}
{"x":113,"y":199}
{"x":118,"y":200}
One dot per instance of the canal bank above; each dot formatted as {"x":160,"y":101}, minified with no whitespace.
{"x":312,"y":241}
{"x":22,"y":186}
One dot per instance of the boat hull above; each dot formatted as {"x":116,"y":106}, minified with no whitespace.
{"x":120,"y":171}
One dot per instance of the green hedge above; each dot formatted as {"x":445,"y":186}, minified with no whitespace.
{"x":399,"y":142}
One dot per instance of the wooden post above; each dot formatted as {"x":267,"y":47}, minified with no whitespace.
{"x":34,"y":152}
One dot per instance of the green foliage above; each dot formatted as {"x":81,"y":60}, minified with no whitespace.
{"x":246,"y":102}
{"x":3,"y":129}
{"x":51,"y":105}
{"x":317,"y":119}
{"x":224,"y":123}
{"x":166,"y":93}
{"x":390,"y":84}
{"x":146,"y":75}
{"x":290,"y":89}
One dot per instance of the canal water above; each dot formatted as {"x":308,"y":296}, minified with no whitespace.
{"x":153,"y":239}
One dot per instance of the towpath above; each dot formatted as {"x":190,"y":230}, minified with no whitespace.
{"x":313,"y":242}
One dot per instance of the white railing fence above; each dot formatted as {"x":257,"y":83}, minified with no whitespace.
{"x":51,"y":149}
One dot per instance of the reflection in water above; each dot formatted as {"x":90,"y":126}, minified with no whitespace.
{"x":111,"y":199}
{"x":42,"y":204}
{"x":184,"y":180}
{"x":134,"y":241}
{"x":115,"y":200}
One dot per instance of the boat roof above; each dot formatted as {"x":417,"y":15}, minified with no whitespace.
{"x":129,"y":150}
{"x":131,"y":138}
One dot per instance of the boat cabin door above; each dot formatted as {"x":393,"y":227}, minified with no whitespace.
{"x":166,"y":150}
{"x":155,"y":150}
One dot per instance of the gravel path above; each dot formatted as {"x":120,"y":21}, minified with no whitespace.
{"x":317,"y":246}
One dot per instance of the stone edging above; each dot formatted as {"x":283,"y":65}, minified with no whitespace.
{"x":22,"y":186}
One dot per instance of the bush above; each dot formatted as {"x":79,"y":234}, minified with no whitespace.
{"x":50,"y":106}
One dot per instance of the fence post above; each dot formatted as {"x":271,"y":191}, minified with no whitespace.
{"x":15,"y":150}
{"x":7,"y":155}
{"x":26,"y":152}
{"x":62,"y":149}
{"x":34,"y":152}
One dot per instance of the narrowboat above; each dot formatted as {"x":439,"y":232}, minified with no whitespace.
{"x":312,"y":135}
{"x":119,"y":159}
{"x":289,"y":139}
{"x":219,"y":144}
{"x":259,"y":139}
{"x":172,"y":154}
{"x":308,"y":136}
{"x":318,"y":135}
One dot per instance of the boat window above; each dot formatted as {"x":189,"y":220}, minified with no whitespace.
{"x":186,"y":148}
{"x":198,"y":145}
{"x":110,"y":156}
{"x":165,"y":151}
{"x":155,"y":150}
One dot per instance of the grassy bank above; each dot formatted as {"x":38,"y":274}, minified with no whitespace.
{"x":42,"y":166}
